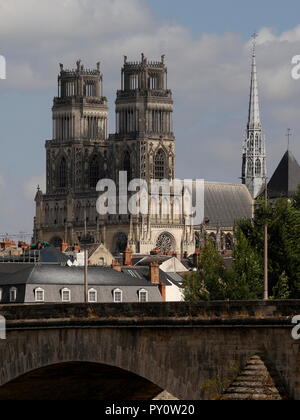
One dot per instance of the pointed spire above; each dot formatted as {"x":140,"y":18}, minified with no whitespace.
{"x":254,"y":122}
{"x":254,"y":169}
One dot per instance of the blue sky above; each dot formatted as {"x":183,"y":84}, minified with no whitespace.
{"x":208,"y":56}
{"x":219,"y":16}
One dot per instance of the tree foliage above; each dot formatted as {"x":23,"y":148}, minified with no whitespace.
{"x":245,"y":279}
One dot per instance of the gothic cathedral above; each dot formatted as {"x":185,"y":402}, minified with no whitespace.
{"x":81,"y":153}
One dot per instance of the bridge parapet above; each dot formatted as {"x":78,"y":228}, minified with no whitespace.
{"x":219,"y":314}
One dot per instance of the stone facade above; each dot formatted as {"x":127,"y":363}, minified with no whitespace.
{"x":80,"y":154}
{"x":143,"y":147}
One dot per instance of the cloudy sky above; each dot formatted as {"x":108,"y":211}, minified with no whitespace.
{"x":207,"y":47}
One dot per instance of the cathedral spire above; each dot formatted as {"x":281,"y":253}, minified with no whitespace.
{"x":254,"y":112}
{"x":254,"y":169}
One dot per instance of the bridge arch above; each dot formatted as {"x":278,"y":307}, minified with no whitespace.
{"x":79,"y":381}
{"x":190,"y":350}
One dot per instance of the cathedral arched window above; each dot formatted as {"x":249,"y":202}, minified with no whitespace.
{"x":62,"y":174}
{"x":121,"y":241}
{"x":250,"y":167}
{"x":94,"y":172}
{"x":229,"y":242}
{"x":160,"y":165}
{"x":251,"y":142}
{"x":213,"y":239}
{"x":257,"y":145}
{"x":258,"y":167}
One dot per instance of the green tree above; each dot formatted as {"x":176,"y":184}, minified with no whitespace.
{"x":281,"y":289}
{"x":247,"y":274}
{"x":297,"y":199}
{"x":284,"y":246}
{"x":208,"y":282}
{"x":245,"y":279}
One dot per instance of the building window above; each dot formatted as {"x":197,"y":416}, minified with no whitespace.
{"x":13,"y":294}
{"x":66,"y":295}
{"x":118,"y":296}
{"x":39,"y":295}
{"x":229,"y":243}
{"x":92,"y":296}
{"x":160,"y":165}
{"x":121,"y":242}
{"x":94,"y":172}
{"x":62,"y":175}
{"x":143,"y":296}
{"x":250,"y":167}
{"x":258,"y":167}
{"x":165,"y":243}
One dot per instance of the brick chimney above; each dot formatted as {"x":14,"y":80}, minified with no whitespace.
{"x":127,"y":257}
{"x":64,"y":246}
{"x":154,"y":273}
{"x":163,"y":291}
{"x":116,"y":266}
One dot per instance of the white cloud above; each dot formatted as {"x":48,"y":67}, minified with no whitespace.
{"x":29,"y":188}
{"x":209,"y":74}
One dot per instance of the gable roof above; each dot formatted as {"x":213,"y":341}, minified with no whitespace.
{"x":286,"y":178}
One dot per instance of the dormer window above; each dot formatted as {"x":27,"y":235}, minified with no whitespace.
{"x":13,"y":294}
{"x":143,"y":296}
{"x":93,"y":296}
{"x":118,"y":296}
{"x":66,"y":295}
{"x":39,"y":295}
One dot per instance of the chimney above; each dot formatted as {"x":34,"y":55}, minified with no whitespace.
{"x":64,"y":246}
{"x":163,"y":291}
{"x":127,"y":257}
{"x":154,"y":273}
{"x":116,"y":266}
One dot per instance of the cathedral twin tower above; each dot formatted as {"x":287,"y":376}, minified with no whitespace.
{"x":81,"y":153}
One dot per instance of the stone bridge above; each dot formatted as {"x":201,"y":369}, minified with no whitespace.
{"x":134,"y":351}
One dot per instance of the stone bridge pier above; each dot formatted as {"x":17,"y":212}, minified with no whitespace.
{"x":134,"y":351}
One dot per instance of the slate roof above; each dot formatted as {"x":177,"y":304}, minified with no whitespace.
{"x":16,"y":274}
{"x":286,"y":178}
{"x":143,"y":272}
{"x":226,"y":204}
{"x":50,"y":255}
{"x":160,"y":259}
{"x":174,"y":278}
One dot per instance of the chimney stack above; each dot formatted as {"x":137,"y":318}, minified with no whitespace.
{"x":127,"y":257}
{"x":64,"y":246}
{"x":154,"y":273}
{"x":116,"y":266}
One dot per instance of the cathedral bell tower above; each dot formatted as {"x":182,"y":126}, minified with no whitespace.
{"x":144,"y":140}
{"x":77,"y":157}
{"x":80,"y":115}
